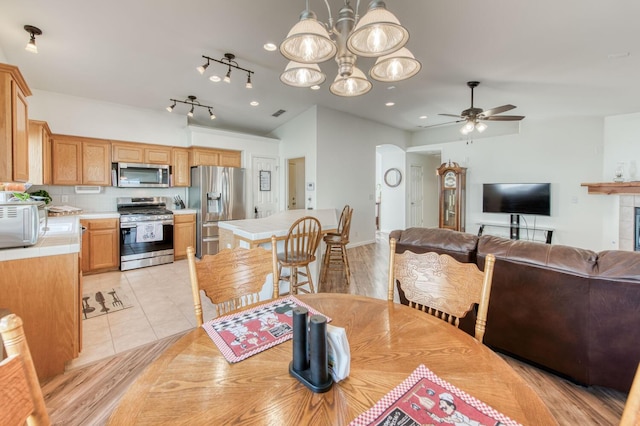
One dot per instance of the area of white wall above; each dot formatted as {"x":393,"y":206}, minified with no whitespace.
{"x":393,"y":200}
{"x":346,"y":151}
{"x":71,"y":115}
{"x":565,"y":152}
{"x":299,"y":139}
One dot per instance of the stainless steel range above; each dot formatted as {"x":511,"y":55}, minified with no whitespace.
{"x":146,"y":232}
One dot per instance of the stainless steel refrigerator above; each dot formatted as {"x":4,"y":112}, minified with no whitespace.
{"x":218,"y":194}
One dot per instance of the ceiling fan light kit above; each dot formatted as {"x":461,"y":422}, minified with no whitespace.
{"x":377,"y":34}
{"x":474,"y":117}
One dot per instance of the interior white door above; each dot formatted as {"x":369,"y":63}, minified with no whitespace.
{"x":416,"y":197}
{"x":265,"y":185}
{"x":295,"y":186}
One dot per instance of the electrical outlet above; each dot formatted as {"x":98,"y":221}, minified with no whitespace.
{"x":64,"y":198}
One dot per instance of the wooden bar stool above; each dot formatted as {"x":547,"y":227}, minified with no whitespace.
{"x":335,"y":256}
{"x":299,"y":251}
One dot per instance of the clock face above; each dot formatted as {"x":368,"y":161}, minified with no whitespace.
{"x":450,"y":179}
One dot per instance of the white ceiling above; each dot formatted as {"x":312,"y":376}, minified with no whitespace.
{"x":550,"y":58}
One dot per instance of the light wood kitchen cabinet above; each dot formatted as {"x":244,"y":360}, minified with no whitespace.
{"x":39,"y":153}
{"x":184,"y":234}
{"x":130,"y":152}
{"x":100,"y":245}
{"x":80,"y":161}
{"x":215,"y":157}
{"x":46,"y":293}
{"x":180,"y":170}
{"x":14,"y":125}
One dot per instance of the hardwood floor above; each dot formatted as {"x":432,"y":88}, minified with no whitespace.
{"x":88,"y":395}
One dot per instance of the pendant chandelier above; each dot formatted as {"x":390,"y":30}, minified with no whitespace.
{"x":377,"y":34}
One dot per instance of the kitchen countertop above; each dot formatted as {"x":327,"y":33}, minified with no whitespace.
{"x":277,"y":224}
{"x":61,"y":237}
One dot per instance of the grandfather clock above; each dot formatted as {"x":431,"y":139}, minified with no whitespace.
{"x":451,"y":184}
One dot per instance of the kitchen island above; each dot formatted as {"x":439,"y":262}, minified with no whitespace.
{"x":251,"y":233}
{"x":43,"y":285}
{"x":254,"y":232}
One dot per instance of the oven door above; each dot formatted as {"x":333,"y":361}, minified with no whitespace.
{"x":145,"y":244}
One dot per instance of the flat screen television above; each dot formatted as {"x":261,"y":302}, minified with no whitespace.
{"x":517,"y":198}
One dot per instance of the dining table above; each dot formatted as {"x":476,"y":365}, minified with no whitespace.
{"x":192,"y":382}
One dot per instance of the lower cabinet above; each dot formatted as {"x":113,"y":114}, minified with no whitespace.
{"x":45,"y":292}
{"x":100,"y":245}
{"x":184,"y":234}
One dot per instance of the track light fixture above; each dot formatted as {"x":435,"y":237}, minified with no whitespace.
{"x":191,"y":100}
{"x":34,"y":31}
{"x":229,"y":61}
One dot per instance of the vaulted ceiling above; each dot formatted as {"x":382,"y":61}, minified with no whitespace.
{"x":549,"y":58}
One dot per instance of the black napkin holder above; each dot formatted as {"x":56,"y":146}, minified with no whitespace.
{"x":310,"y":363}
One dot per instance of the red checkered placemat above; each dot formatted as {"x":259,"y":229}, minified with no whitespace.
{"x":246,"y":333}
{"x":424,"y":398}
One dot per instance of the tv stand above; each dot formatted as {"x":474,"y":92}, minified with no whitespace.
{"x":515,"y":228}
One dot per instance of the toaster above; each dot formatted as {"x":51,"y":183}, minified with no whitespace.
{"x":21,"y":223}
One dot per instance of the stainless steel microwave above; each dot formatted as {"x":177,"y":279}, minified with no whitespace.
{"x":137,"y":175}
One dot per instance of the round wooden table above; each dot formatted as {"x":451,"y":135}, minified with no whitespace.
{"x":192,"y":383}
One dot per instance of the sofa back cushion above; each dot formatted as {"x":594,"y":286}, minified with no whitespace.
{"x":459,"y":245}
{"x":539,"y":305}
{"x":614,"y":322}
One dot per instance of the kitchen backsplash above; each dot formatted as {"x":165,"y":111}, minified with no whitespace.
{"x":105,"y":201}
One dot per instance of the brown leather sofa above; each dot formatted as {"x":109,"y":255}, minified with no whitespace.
{"x":572,"y":311}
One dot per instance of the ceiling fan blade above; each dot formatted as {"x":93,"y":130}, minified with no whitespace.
{"x":497,"y":110}
{"x":503,"y":118}
{"x":451,"y":115}
{"x":443,"y":124}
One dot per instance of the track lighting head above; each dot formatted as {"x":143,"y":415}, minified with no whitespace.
{"x":190,"y":113}
{"x":34,"y":31}
{"x":171,"y":107}
{"x":201,"y":69}
{"x":248,"y":85}
{"x":212,"y":116}
{"x":227,"y":78}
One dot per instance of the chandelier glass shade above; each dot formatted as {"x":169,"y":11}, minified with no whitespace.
{"x":396,"y":66}
{"x":355,"y":84}
{"x":377,"y":34}
{"x":302,"y":75}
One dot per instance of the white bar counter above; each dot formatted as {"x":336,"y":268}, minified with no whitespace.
{"x":253,"y":232}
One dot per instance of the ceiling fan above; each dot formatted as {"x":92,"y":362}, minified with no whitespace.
{"x":474,"y":117}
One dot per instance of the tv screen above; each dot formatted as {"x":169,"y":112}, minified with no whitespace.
{"x":517,"y":198}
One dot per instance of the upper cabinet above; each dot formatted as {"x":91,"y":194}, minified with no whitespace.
{"x":180,"y":170}
{"x":39,"y":153}
{"x":128,"y":152}
{"x":215,"y":157}
{"x":81,"y":161}
{"x":14,"y":125}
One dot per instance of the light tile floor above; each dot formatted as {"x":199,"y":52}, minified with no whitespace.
{"x":162,"y":306}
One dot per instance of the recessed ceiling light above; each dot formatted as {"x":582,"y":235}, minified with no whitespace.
{"x":391,"y":87}
{"x":270,"y":47}
{"x":254,"y":103}
{"x":423,"y":117}
{"x":316,"y":87}
{"x":618,"y":55}
{"x":390,"y":103}
{"x":214,"y":78}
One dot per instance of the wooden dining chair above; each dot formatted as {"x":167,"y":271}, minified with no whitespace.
{"x":335,"y":255}
{"x":232,"y":278}
{"x":441,"y":286}
{"x":631,"y":413}
{"x":300,"y":247}
{"x":21,"y":397}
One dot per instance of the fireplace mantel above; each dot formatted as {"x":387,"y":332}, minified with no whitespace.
{"x":613,"y":187}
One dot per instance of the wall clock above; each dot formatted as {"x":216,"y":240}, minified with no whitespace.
{"x":393,"y":177}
